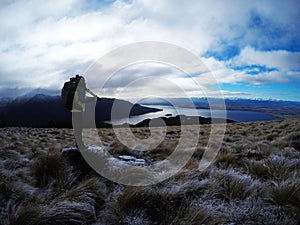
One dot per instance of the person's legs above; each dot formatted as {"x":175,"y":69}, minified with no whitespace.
{"x":78,"y":127}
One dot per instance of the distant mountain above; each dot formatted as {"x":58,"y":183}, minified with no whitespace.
{"x":42,"y":111}
{"x":4,"y":102}
{"x":276,"y":108}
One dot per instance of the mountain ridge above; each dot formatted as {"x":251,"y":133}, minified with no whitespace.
{"x":43,"y":111}
{"x":277,"y":108}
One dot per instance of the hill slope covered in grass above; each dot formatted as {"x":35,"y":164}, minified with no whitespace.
{"x":48,"y":111}
{"x":255,"y":179}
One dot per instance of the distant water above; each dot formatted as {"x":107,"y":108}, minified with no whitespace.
{"x":236,"y":115}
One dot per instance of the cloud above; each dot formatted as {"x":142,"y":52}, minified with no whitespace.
{"x":256,"y":67}
{"x":41,"y":45}
{"x":280,"y":59}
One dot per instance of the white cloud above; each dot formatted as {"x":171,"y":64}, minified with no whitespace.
{"x":280,"y":59}
{"x":41,"y":44}
{"x":284,"y":67}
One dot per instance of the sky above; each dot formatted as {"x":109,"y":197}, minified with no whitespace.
{"x":252,"y":48}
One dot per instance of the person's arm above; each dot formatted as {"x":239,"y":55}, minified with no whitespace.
{"x":94,"y":95}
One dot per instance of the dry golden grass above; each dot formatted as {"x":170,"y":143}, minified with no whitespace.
{"x":253,"y":180}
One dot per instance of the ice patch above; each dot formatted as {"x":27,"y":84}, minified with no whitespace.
{"x":97,"y":149}
{"x":115,"y":163}
{"x":132,"y":160}
{"x":93,"y":148}
{"x":124,"y":161}
{"x":66,"y":150}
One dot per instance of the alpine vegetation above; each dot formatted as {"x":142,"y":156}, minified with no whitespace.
{"x":254,"y":179}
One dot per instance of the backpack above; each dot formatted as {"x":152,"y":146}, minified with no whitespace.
{"x":68,"y":92}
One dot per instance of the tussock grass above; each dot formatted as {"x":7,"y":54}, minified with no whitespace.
{"x":286,"y":193}
{"x":193,"y":163}
{"x":195,"y":215}
{"x":135,"y":217}
{"x":11,"y":190}
{"x":199,"y":152}
{"x":294,"y":140}
{"x":136,"y":175}
{"x":158,"y":205}
{"x":278,"y":168}
{"x":264,"y":149}
{"x":225,"y":158}
{"x":61,"y":213}
{"x":291,"y":153}
{"x":162,"y":151}
{"x":90,"y":191}
{"x":229,"y":185}
{"x":76,"y":206}
{"x":256,"y":169}
{"x":49,"y":169}
{"x":118,"y":148}
{"x":254,"y":179}
{"x":9,"y":154}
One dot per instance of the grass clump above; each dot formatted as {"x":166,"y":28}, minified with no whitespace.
{"x":228,"y":185}
{"x":61,"y":213}
{"x":48,"y":169}
{"x":76,"y":206}
{"x":256,"y":168}
{"x":294,"y":140}
{"x":225,"y":158}
{"x":158,"y":206}
{"x":278,"y":168}
{"x":286,"y":193}
{"x":10,"y":190}
{"x":195,"y":215}
{"x":90,"y":191}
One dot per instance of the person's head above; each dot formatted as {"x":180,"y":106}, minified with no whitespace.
{"x":80,"y":80}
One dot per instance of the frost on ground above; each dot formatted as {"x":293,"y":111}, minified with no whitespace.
{"x":255,"y":179}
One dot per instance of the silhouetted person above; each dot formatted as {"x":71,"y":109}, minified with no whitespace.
{"x":78,"y":109}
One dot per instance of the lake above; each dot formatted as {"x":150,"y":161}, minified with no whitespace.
{"x":236,"y":115}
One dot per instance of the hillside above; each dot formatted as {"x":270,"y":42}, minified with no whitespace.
{"x":48,"y":111}
{"x":253,"y":180}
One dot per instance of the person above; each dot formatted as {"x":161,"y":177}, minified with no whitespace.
{"x":78,"y":109}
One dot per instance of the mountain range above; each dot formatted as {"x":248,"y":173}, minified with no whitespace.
{"x":276,"y":108}
{"x":48,"y":111}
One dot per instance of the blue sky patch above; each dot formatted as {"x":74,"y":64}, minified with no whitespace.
{"x":254,"y":69}
{"x":283,"y":91}
{"x":226,"y":53}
